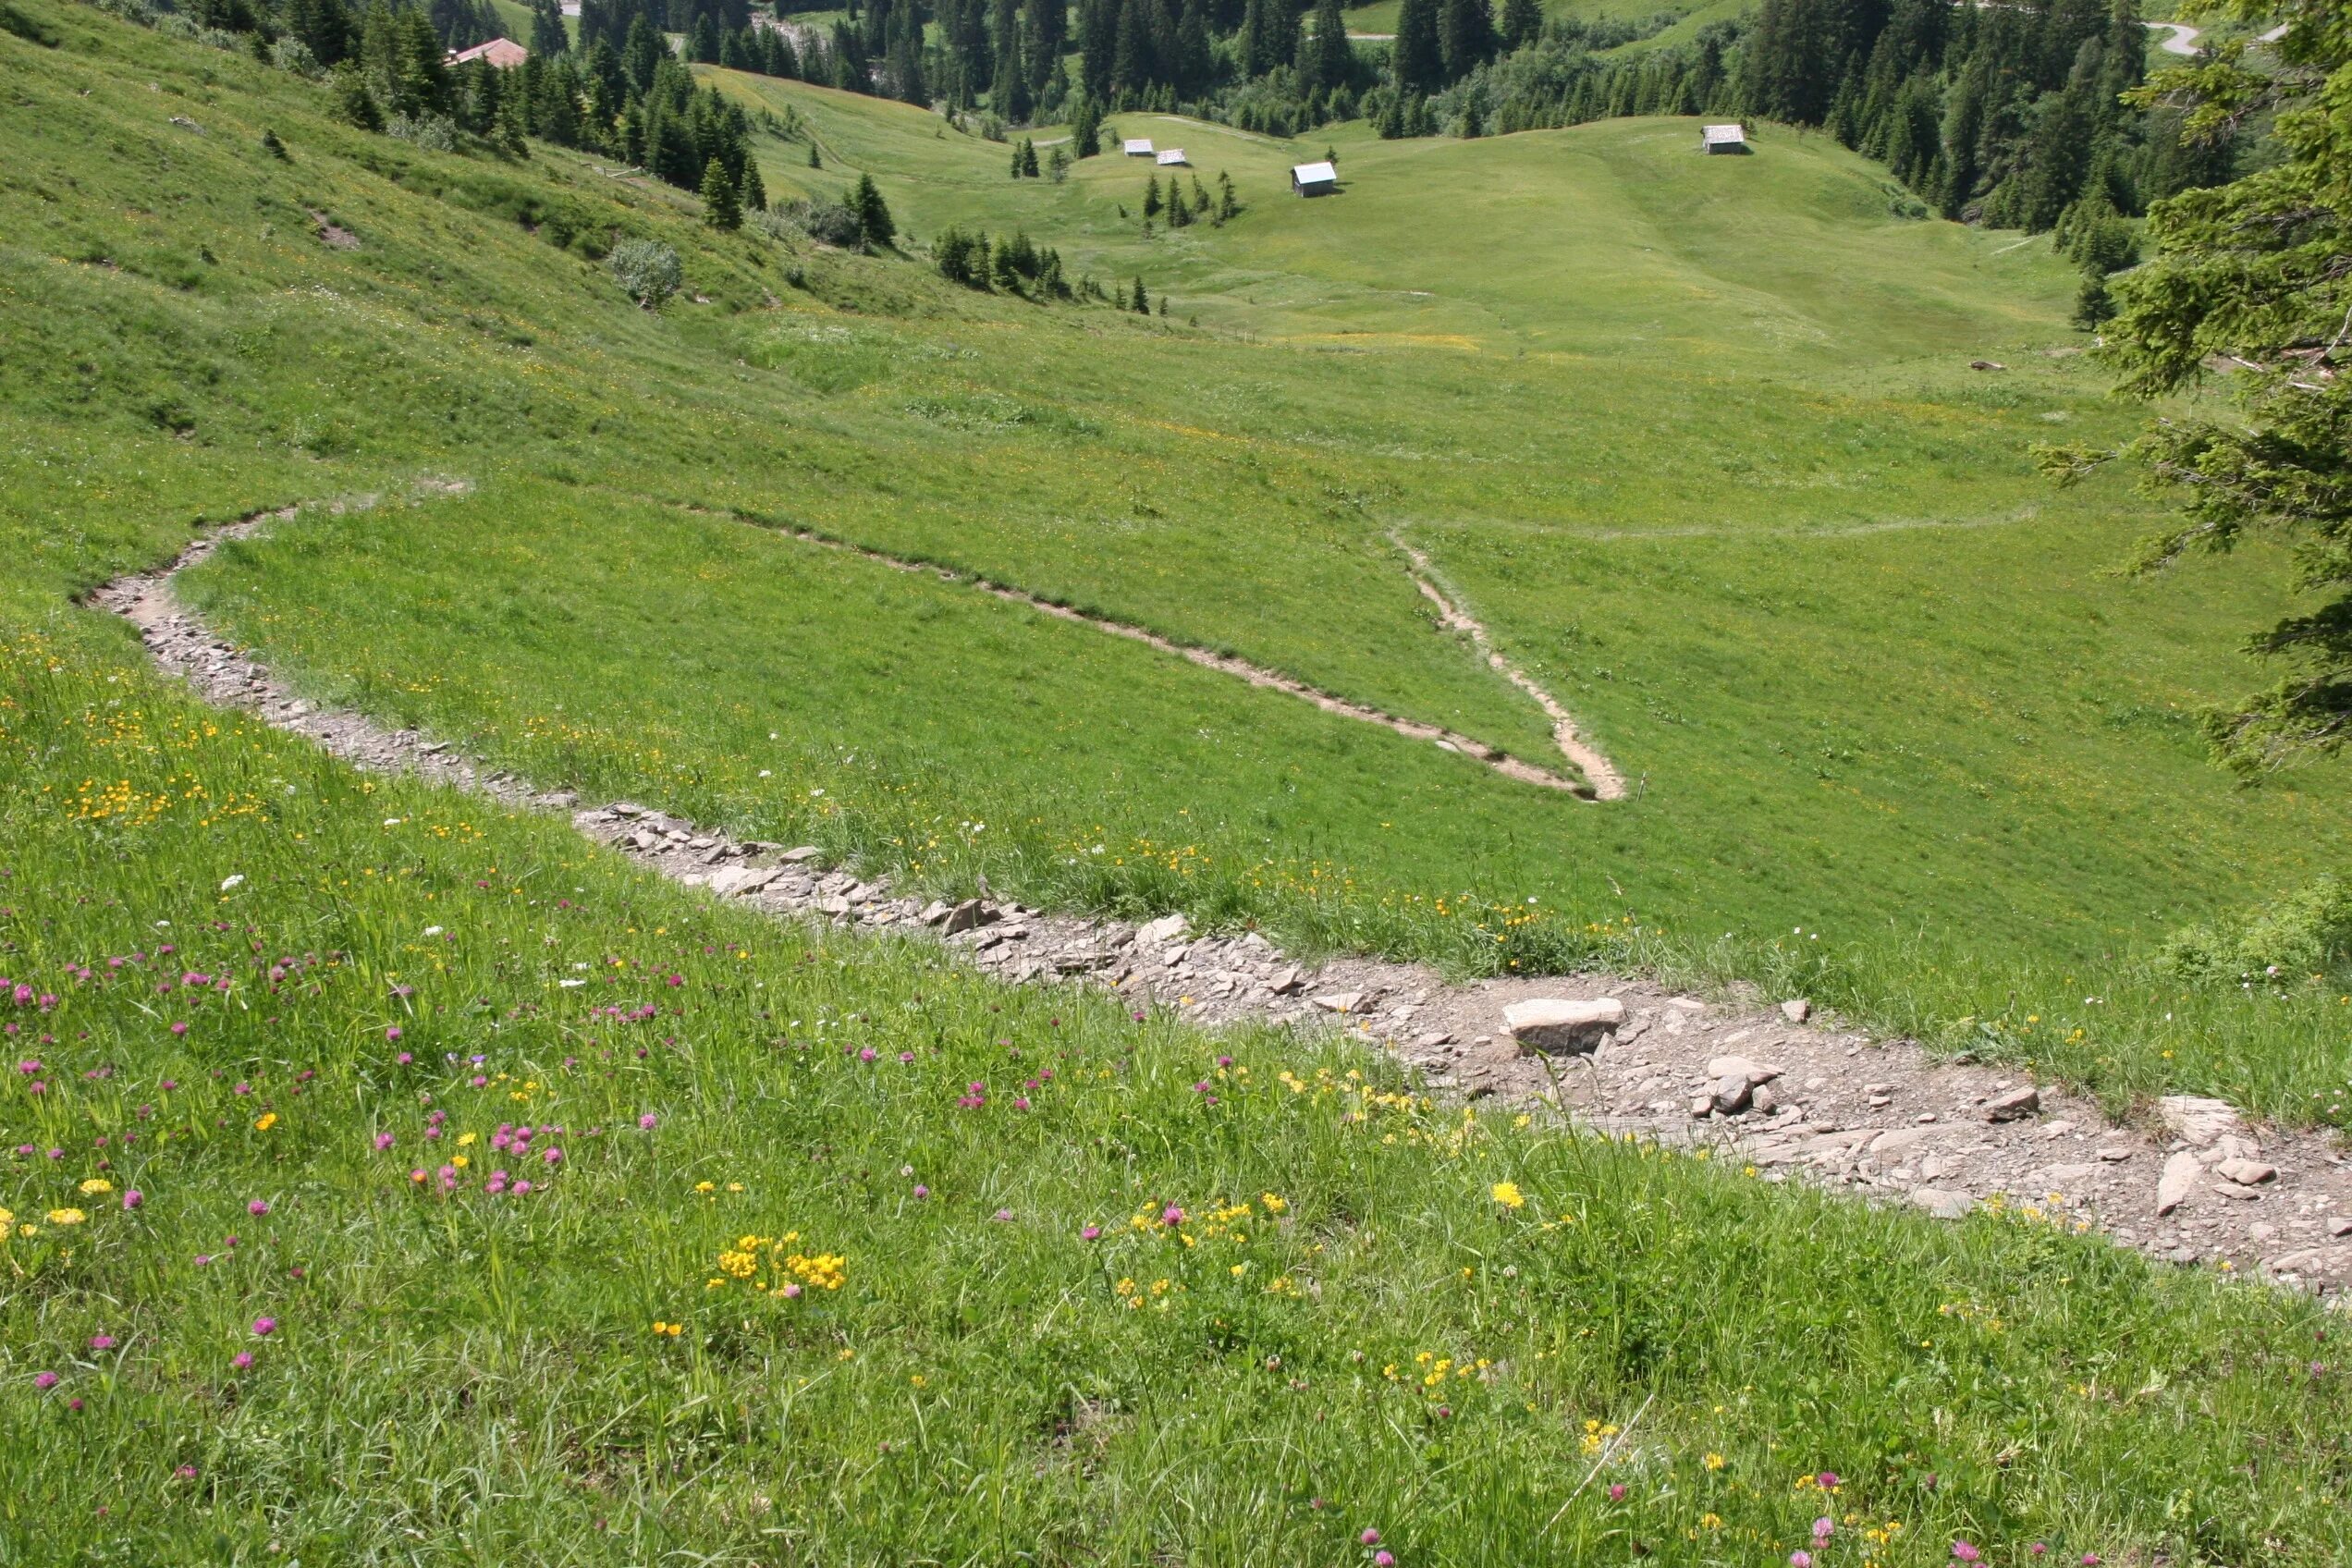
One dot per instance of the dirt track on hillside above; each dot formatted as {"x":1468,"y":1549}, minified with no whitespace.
{"x":1769,"y":1090}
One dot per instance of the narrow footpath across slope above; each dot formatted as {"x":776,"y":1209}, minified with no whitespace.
{"x":1771,"y":1090}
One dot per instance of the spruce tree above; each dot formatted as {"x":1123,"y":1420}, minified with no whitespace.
{"x":814,"y":161}
{"x":1029,"y":157}
{"x":876,"y":225}
{"x":1417,"y":56}
{"x":754,"y":188}
{"x":1522,"y":22}
{"x":547,"y":34}
{"x":721,"y":208}
{"x":1331,"y":64}
{"x":1465,"y":35}
{"x":1139,"y":301}
{"x":1151,"y":199}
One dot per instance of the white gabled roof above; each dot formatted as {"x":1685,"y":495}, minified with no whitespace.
{"x":1173,"y":155}
{"x":1314,"y":174}
{"x":1137,"y":146}
{"x":1712,"y":134}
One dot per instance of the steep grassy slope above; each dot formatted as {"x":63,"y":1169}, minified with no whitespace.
{"x":272,"y":1290}
{"x":1697,"y":437}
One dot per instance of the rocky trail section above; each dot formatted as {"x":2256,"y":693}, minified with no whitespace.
{"x":1771,"y":1090}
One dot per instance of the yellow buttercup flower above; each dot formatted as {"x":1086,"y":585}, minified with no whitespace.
{"x":1507,"y":1195}
{"x":67,"y":1216}
{"x":269,"y":1119}
{"x":92,"y":1188}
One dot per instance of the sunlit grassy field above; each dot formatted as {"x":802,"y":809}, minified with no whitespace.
{"x":830,"y":1251}
{"x":1749,"y":512}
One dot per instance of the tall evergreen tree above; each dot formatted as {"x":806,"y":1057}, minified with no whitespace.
{"x":1417,"y":57}
{"x":1465,"y":35}
{"x":1522,"y":22}
{"x":876,"y":225}
{"x":722,"y":209}
{"x":1329,"y":64}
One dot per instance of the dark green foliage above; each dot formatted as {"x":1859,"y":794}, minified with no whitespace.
{"x":754,"y":188}
{"x":1417,"y":57}
{"x":876,"y":225}
{"x":1328,"y":63}
{"x":1086,"y":128}
{"x":548,"y":36}
{"x":722,"y":208}
{"x":272,"y":145}
{"x":1522,"y":22}
{"x":1139,"y":301}
{"x":2251,"y":274}
{"x":1152,"y":203}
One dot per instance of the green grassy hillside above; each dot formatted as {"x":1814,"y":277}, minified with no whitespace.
{"x":833,"y":1253}
{"x":1697,"y":437}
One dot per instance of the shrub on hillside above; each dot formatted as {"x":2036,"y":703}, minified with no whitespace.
{"x":2306,"y":933}
{"x":647,"y":269}
{"x":434,"y":133}
{"x":822,"y":219}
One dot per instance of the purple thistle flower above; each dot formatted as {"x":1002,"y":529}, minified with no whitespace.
{"x":132,"y":1197}
{"x":264,"y":1326}
{"x":45,"y":1381}
{"x":242,"y":1360}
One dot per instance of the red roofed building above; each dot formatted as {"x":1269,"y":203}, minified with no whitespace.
{"x":504,"y":54}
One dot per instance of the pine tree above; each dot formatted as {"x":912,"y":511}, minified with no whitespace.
{"x":702,"y":45}
{"x":1151,"y":199}
{"x":1016,"y":163}
{"x":547,"y":34}
{"x":1417,"y":56}
{"x":1465,"y":35}
{"x":1139,"y":301}
{"x":1522,"y":22}
{"x":814,"y":161}
{"x":1086,"y":128}
{"x":353,"y":100}
{"x":1029,"y":157}
{"x":1180,"y":212}
{"x":754,"y":188}
{"x":1331,"y":64}
{"x":876,"y":225}
{"x":721,"y":208}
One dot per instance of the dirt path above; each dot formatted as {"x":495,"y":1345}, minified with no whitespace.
{"x":2183,"y":40}
{"x":1771,"y":1090}
{"x":1598,"y":780}
{"x":1606,"y":783}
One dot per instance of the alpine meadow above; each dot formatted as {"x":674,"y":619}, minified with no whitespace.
{"x":983,"y":781}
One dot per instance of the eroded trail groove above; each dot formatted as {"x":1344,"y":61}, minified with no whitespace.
{"x":1595,"y":779}
{"x":1606,"y":783}
{"x":1772,"y":1089}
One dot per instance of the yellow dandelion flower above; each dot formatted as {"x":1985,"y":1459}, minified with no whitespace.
{"x":1507,"y":1195}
